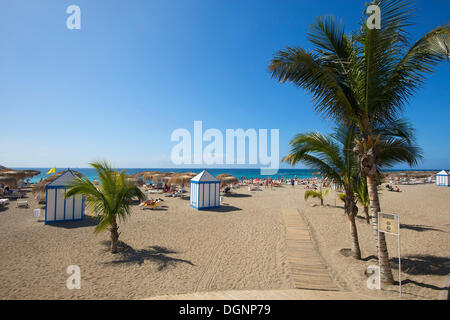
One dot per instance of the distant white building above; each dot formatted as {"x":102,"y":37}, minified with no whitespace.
{"x":442,"y":178}
{"x":57,"y":207}
{"x":205,"y":191}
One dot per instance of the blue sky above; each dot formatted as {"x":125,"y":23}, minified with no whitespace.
{"x":137,"y":70}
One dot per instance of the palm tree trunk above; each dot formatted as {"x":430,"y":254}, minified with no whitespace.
{"x":351,"y":211}
{"x":366,"y":212}
{"x":385,"y":271}
{"x":321,"y":202}
{"x":356,"y":250}
{"x":114,"y":236}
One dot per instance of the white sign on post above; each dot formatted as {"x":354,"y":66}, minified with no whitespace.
{"x":390,"y":223}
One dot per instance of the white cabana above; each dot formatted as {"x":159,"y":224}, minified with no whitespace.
{"x":57,"y":207}
{"x":442,"y":178}
{"x":205,"y":191}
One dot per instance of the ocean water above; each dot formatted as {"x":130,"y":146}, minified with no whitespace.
{"x":91,"y":174}
{"x":238,"y":173}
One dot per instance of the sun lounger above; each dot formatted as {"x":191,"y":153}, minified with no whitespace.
{"x":22,"y":203}
{"x":14,"y":195}
{"x":155,"y":191}
{"x":4,"y":202}
{"x":179,"y":193}
{"x":149,"y":204}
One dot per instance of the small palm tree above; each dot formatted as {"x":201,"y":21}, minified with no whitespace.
{"x":110,"y":200}
{"x":332,"y":155}
{"x":320,"y":194}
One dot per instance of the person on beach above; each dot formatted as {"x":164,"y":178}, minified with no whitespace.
{"x":292,"y":182}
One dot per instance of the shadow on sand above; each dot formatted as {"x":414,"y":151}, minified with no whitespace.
{"x":159,"y":208}
{"x":419,"y":264}
{"x":424,"y":265}
{"x":88,"y":221}
{"x":418,"y":227}
{"x":237,"y":195}
{"x":159,"y":255}
{"x":223,"y":208}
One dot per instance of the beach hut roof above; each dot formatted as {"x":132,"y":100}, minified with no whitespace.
{"x":40,"y":187}
{"x":205,"y":176}
{"x":63,"y":180}
{"x":443,"y":172}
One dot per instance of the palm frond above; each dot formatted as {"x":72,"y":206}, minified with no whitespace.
{"x":111,"y":199}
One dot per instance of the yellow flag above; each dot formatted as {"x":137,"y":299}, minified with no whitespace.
{"x":52,"y":170}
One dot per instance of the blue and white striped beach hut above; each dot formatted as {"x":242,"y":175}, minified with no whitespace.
{"x":205,"y":191}
{"x":57,"y":207}
{"x":442,"y":178}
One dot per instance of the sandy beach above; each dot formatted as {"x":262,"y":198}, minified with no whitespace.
{"x":240,"y":246}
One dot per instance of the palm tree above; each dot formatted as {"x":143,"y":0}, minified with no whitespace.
{"x":362,"y":196}
{"x":320,"y":194}
{"x":364,"y":78}
{"x":332,"y":155}
{"x":110,"y":201}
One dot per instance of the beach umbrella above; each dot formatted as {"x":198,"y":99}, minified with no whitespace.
{"x":141,"y":174}
{"x":155,"y":177}
{"x":225,"y":181}
{"x":8,"y":180}
{"x":40,"y":187}
{"x":180,"y":179}
{"x":190,"y":173}
{"x":223,"y":175}
{"x":19,"y":174}
{"x":136,"y":181}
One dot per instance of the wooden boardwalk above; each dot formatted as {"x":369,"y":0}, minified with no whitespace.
{"x":309,"y":273}
{"x":306,"y":266}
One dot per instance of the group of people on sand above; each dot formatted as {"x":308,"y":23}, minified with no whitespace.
{"x":7,"y":191}
{"x":393,"y":189}
{"x":309,"y":183}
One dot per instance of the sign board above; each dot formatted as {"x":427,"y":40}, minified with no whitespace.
{"x":389,"y":223}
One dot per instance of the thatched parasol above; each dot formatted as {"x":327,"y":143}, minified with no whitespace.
{"x":40,"y":187}
{"x":190,"y":173}
{"x":141,"y":174}
{"x":223,"y":175}
{"x":18,"y":174}
{"x":11,"y":181}
{"x":225,"y":181}
{"x":136,"y":181}
{"x":153,"y":176}
{"x":180,"y":179}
